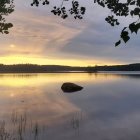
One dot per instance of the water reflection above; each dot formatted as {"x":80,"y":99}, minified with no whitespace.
{"x":107,"y":108}
{"x":20,"y":80}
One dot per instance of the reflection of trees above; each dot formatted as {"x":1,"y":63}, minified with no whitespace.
{"x":6,"y":8}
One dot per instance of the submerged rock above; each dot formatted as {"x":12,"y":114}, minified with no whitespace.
{"x":70,"y":87}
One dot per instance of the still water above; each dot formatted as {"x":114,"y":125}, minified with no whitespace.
{"x":108,"y":108}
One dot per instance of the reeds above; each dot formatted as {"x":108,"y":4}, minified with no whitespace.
{"x":20,"y":128}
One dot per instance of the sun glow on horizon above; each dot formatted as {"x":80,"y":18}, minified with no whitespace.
{"x":21,"y":59}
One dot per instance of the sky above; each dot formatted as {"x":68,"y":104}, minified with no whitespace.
{"x":39,"y":37}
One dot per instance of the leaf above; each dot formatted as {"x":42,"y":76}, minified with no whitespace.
{"x":132,"y":3}
{"x":136,"y":11}
{"x":10,"y":25}
{"x":132,"y":27}
{"x":125,"y":38}
{"x":6,"y":32}
{"x":132,"y":13}
{"x":118,"y":43}
{"x":137,"y":27}
{"x":124,"y":33}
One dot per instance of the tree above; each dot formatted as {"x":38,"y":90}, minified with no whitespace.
{"x":126,"y":8}
{"x":6,"y":8}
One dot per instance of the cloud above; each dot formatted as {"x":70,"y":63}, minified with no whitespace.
{"x":37,"y":32}
{"x":97,"y":42}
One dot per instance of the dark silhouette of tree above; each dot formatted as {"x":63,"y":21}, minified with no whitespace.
{"x":118,"y":8}
{"x":6,"y":8}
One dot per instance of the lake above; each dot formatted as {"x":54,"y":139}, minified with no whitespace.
{"x":33,"y":106}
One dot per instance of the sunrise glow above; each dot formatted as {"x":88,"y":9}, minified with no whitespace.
{"x":22,"y":59}
{"x":18,"y":59}
{"x":43,"y":39}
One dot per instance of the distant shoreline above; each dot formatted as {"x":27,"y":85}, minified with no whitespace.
{"x":31,"y":68}
{"x":61,"y":72}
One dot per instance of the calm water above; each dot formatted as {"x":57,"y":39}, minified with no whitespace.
{"x":108,"y":108}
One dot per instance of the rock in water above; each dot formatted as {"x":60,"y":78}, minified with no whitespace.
{"x":70,"y":87}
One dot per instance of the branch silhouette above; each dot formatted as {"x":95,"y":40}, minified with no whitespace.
{"x":6,"y":8}
{"x":126,"y":9}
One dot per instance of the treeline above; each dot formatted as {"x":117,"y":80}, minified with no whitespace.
{"x":129,"y":67}
{"x":31,"y":68}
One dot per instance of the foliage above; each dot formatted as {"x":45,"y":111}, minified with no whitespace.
{"x":62,"y":11}
{"x":6,"y":8}
{"x":118,"y":8}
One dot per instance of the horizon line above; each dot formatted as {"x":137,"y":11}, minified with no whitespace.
{"x":64,"y":65}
